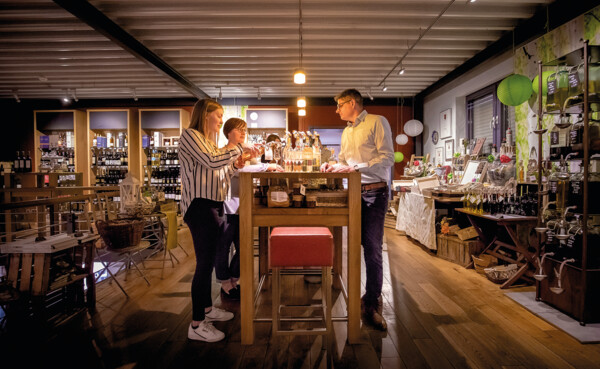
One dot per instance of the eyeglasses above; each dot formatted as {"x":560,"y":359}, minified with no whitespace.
{"x":241,"y":130}
{"x":339,"y":106}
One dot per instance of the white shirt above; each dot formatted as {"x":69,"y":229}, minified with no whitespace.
{"x":233,"y":203}
{"x":368,"y":142}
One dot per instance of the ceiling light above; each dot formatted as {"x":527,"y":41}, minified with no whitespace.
{"x":65,"y":99}
{"x":302,"y":112}
{"x":472,"y":1}
{"x":401,"y":71}
{"x":135,"y":98}
{"x":16,"y":96}
{"x":301,"y":102}
{"x":369,"y":94}
{"x":384,"y":89}
{"x":299,"y":76}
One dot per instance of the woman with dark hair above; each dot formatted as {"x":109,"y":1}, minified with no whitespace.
{"x":228,"y":271}
{"x":205,"y":179}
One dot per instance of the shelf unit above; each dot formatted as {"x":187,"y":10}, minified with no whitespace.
{"x":158,"y":142}
{"x":115,"y":123}
{"x":61,"y":122}
{"x":580,"y":279}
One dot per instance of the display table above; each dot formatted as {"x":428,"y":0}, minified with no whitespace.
{"x":261,"y":216}
{"x":416,"y":217}
{"x":500,"y":239}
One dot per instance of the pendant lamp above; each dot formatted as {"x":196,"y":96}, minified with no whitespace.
{"x":514,"y":90}
{"x":401,"y":139}
{"x":413,"y":127}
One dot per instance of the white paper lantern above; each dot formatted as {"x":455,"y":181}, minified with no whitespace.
{"x":401,"y":139}
{"x":413,"y":127}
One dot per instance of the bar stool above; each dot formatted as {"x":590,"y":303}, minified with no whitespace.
{"x":302,"y":247}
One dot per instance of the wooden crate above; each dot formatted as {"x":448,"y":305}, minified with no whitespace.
{"x":453,"y":249}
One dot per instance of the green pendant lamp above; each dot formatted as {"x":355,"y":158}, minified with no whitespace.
{"x":514,"y":90}
{"x":536,"y":84}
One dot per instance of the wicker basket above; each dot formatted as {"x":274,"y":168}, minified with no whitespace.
{"x":120,"y":233}
{"x":483,"y":261}
{"x":500,"y":274}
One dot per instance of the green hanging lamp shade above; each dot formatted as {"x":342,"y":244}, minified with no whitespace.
{"x":398,"y":156}
{"x":536,"y":85}
{"x":514,"y":90}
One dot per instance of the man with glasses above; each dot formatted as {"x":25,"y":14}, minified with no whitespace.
{"x":367,"y":148}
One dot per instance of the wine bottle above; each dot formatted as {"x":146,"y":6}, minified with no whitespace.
{"x":28,"y":167}
{"x":22,"y":161}
{"x":16,"y":167}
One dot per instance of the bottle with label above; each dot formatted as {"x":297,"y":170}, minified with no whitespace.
{"x":93,"y":157}
{"x":317,"y":146}
{"x":576,"y":191}
{"x":558,"y":143}
{"x":521,"y":171}
{"x":509,"y":137}
{"x":95,"y":140}
{"x":22,"y":161}
{"x":28,"y":167}
{"x":16,"y":164}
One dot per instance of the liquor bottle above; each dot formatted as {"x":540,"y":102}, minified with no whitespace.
{"x":95,"y":140}
{"x":28,"y":167}
{"x":71,"y":158}
{"x":93,"y":157}
{"x":16,"y":164}
{"x":22,"y":161}
{"x":317,"y":146}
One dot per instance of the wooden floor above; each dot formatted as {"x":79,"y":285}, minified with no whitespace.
{"x":440,"y":315}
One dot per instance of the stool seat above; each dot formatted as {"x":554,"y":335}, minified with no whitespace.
{"x":301,"y":247}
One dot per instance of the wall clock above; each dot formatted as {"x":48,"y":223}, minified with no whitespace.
{"x":435,"y":136}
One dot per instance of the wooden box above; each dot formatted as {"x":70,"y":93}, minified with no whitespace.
{"x":466,"y":233}
{"x":453,"y":249}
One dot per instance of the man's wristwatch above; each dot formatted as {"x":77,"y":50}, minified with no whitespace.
{"x":360,"y":165}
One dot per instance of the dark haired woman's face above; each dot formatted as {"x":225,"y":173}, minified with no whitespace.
{"x":214,"y":121}
{"x":237,"y":135}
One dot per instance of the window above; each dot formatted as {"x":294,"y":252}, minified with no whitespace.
{"x":488,"y":117}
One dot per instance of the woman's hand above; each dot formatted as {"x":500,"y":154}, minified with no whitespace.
{"x":239,"y":162}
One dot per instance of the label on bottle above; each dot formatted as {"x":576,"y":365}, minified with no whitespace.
{"x":549,"y":236}
{"x":551,"y":87}
{"x":574,"y":79}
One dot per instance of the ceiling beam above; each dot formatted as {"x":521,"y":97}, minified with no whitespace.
{"x":101,"y":23}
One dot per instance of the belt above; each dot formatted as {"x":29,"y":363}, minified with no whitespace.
{"x":372,"y":186}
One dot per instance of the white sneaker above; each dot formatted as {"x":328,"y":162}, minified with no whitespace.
{"x":205,"y":332}
{"x":218,"y":315}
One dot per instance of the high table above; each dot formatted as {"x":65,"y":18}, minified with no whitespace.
{"x":261,"y":216}
{"x":493,"y":231}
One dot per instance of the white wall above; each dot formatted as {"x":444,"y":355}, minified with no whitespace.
{"x":453,"y":96}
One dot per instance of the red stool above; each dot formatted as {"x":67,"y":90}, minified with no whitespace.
{"x":302,"y":247}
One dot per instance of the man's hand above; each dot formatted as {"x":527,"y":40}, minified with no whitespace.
{"x":325,"y":167}
{"x":343,"y":169}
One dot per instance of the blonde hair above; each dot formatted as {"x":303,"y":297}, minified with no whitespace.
{"x":201,"y":110}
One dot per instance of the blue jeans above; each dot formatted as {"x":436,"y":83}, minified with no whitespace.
{"x":374,"y":204}
{"x":206,"y":220}
{"x":224,"y":268}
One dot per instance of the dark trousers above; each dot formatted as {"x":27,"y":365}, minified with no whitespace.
{"x":224,"y":268}
{"x":206,"y":220}
{"x":374,"y":205}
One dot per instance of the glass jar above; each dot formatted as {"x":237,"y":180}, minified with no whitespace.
{"x":558,"y":89}
{"x":576,"y":77}
{"x":594,"y":77}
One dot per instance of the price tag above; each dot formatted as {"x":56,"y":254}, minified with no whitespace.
{"x":302,"y":190}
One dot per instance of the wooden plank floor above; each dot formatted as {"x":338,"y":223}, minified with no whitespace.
{"x":440,"y":315}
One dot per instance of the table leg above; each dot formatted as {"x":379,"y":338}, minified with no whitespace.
{"x":90,"y":280}
{"x":337,"y":258}
{"x":263,"y":251}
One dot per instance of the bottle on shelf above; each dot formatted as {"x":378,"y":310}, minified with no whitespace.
{"x":16,"y":163}
{"x":93,"y":157}
{"x":95,"y":140}
{"x":22,"y":161}
{"x":28,"y":166}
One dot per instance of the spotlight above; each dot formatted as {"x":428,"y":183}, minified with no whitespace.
{"x":65,"y":99}
{"x":135,"y":98}
{"x":74,"y":96}
{"x":401,"y":71}
{"x":384,"y":89}
{"x":369,"y":94}
{"x":16,"y":96}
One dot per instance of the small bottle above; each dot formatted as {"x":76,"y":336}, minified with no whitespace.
{"x":16,"y":168}
{"x":521,"y":171}
{"x":95,"y":140}
{"x":509,"y":136}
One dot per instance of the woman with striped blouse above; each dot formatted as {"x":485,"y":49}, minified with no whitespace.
{"x":205,"y":180}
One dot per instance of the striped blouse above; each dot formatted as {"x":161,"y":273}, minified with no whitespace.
{"x":205,"y":169}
